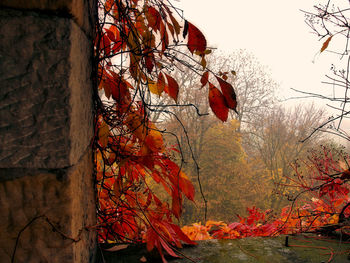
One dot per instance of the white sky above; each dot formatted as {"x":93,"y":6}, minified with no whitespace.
{"x":273,"y":30}
{"x":276,"y":33}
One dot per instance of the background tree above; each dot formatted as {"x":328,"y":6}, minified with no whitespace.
{"x":231,"y":183}
{"x":276,"y":140}
{"x":197,"y":137}
{"x":252,"y":81}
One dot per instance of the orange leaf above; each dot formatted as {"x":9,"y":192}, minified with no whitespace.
{"x":153,"y":87}
{"x":108,"y":5}
{"x":181,"y":234}
{"x":173,"y":88}
{"x":157,"y":87}
{"x":229,"y":93}
{"x":325,"y":44}
{"x":217,"y":103}
{"x":196,"y":39}
{"x":103,"y":133}
{"x":154,"y":138}
{"x":204,"y":78}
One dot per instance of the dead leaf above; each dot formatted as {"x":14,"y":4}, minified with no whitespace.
{"x":117,"y":248}
{"x":143,"y":259}
{"x":325,"y":44}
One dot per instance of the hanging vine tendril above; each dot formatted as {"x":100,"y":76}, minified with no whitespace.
{"x":136,"y":51}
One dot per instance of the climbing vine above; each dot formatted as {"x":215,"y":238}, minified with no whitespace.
{"x":137,"y":47}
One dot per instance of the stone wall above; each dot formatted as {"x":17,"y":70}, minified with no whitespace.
{"x":46,"y":188}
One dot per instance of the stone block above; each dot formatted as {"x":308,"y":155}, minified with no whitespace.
{"x":79,"y":10}
{"x":65,"y":197}
{"x":45,"y":94}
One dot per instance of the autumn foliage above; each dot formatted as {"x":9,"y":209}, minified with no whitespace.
{"x":320,"y":205}
{"x":136,"y":48}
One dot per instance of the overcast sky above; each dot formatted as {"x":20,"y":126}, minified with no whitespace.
{"x":273,"y":30}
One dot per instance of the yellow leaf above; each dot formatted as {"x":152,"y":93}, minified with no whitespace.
{"x":155,"y":88}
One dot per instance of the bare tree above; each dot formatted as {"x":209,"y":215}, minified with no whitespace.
{"x":331,"y":24}
{"x":255,"y":91}
{"x":253,"y":84}
{"x":276,"y":140}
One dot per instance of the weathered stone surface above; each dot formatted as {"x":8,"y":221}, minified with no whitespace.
{"x":79,"y":10}
{"x":46,"y":187}
{"x":45,"y":95}
{"x":252,"y":250}
{"x":66,"y":198}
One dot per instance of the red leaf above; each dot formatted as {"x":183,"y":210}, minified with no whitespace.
{"x":106,"y":45}
{"x":175,"y":24}
{"x":134,"y":67}
{"x":117,"y":45}
{"x":153,"y":18}
{"x":119,"y":89}
{"x":164,"y":37}
{"x":161,"y":82}
{"x":229,"y":93}
{"x":167,"y":248}
{"x":204,"y":78}
{"x":176,"y":204}
{"x":173,"y":88}
{"x":186,"y":186}
{"x":196,"y":39}
{"x":151,"y":238}
{"x":217,"y":103}
{"x":110,"y":34}
{"x":149,"y":60}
